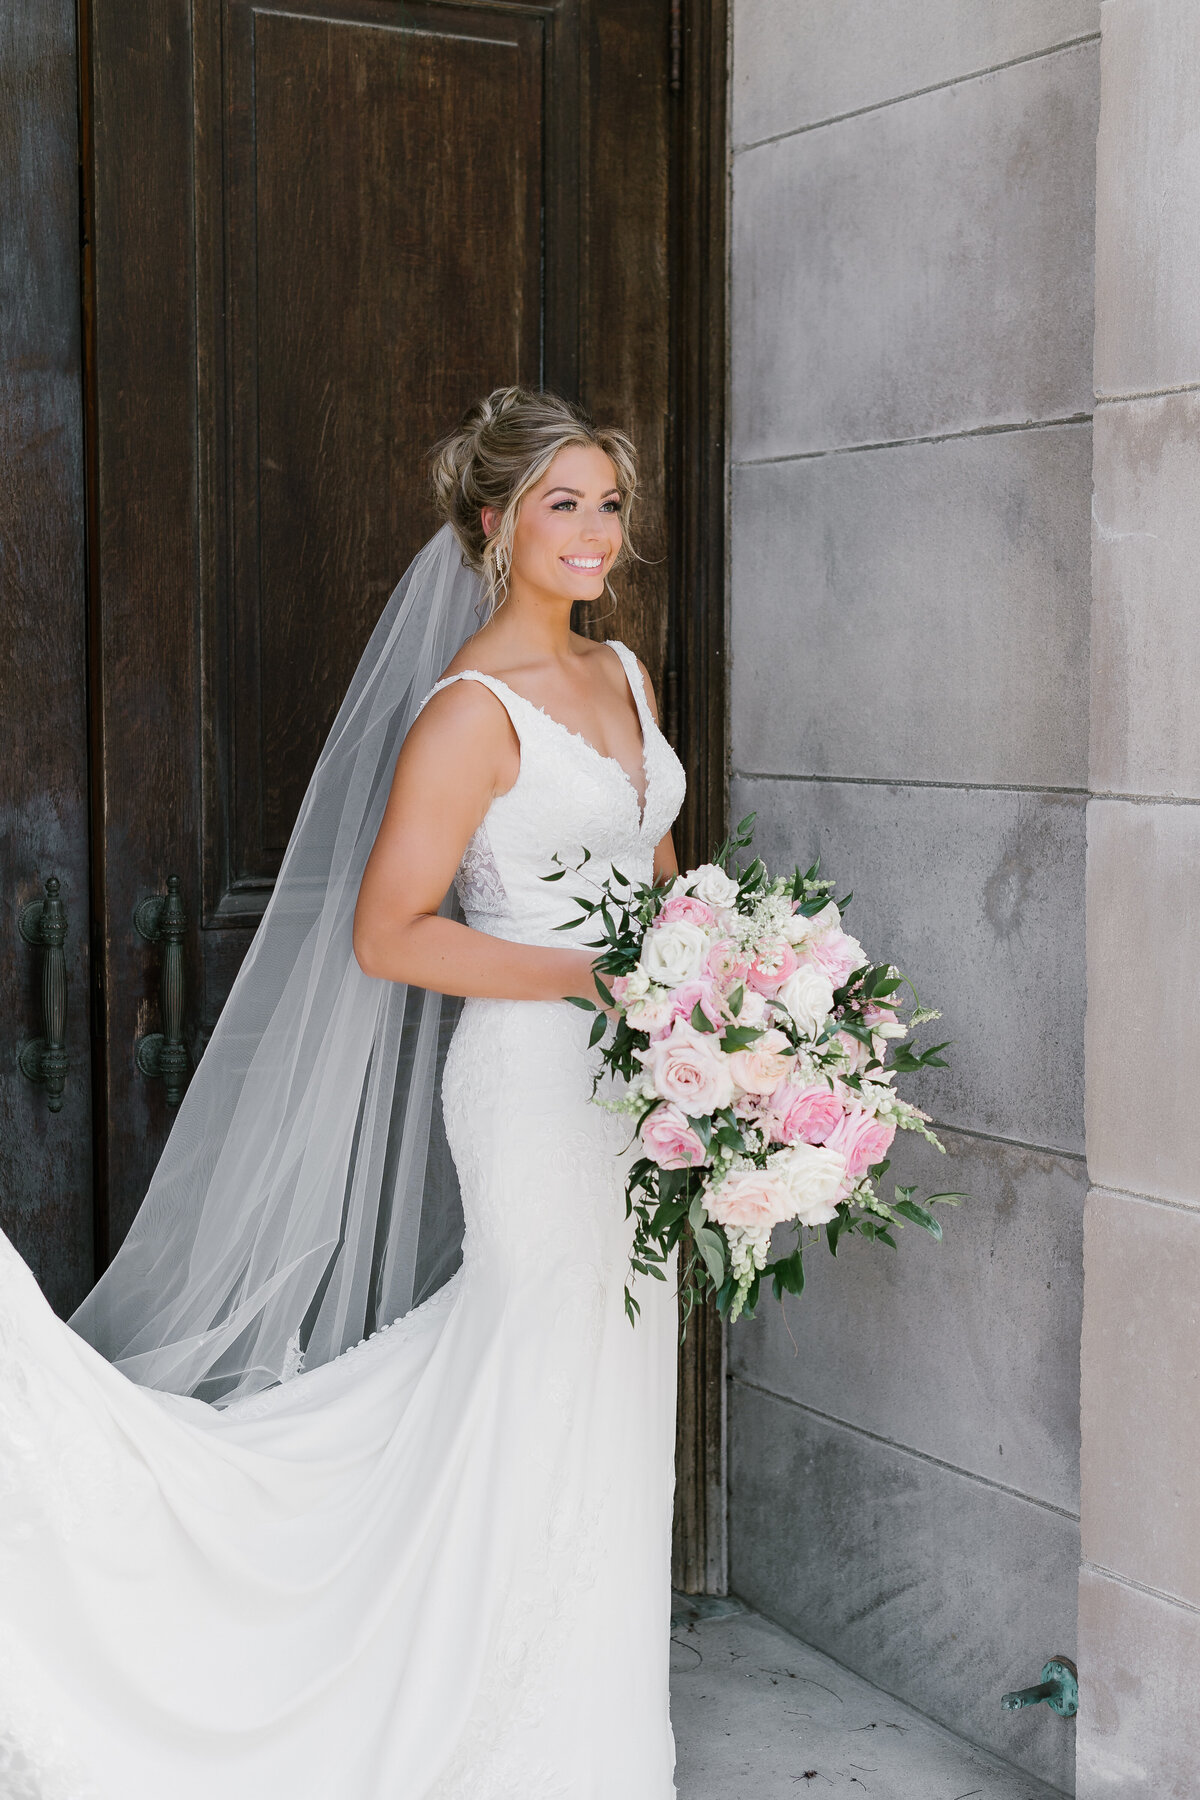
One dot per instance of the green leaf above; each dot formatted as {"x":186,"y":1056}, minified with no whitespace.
{"x":577,"y":1000}
{"x":736,"y":996}
{"x":557,"y":876}
{"x":712,"y":1249}
{"x":604,"y":993}
{"x":945,"y":1199}
{"x":700,"y":1019}
{"x":908,"y":1209}
{"x":725,"y":1293}
{"x":834,"y":1230}
{"x":702,"y":1127}
{"x":736,"y":1037}
{"x":787,"y":1275}
{"x":597,"y":1031}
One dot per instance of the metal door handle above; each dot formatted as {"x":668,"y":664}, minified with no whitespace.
{"x":43,"y":924}
{"x":161,"y":919}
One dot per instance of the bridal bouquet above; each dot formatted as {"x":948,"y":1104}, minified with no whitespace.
{"x":759,"y":1047}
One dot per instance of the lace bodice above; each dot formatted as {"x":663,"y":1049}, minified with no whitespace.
{"x":567,"y":798}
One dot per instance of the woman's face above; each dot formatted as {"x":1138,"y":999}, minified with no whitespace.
{"x":568,"y":528}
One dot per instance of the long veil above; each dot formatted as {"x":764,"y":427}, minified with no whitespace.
{"x":304,"y":1196}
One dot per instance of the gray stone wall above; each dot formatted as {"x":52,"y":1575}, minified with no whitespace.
{"x":912,"y":282}
{"x":1139,"y":1596}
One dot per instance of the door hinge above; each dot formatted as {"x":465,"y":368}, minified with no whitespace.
{"x":676,"y":45}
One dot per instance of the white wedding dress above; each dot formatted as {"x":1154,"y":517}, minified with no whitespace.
{"x":437,"y":1565}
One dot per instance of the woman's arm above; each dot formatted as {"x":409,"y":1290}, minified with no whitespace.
{"x":460,"y":753}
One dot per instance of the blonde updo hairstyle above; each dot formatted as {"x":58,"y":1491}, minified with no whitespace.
{"x":501,"y":448}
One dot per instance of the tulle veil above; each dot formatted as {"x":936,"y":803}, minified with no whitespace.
{"x":305,"y":1195}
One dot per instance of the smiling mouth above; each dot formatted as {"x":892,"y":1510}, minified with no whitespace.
{"x":585,"y":564}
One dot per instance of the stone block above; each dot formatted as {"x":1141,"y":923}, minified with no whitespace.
{"x":967,"y":1350}
{"x":796,"y":65}
{"x":922,"y":269}
{"x":1142,"y":1046}
{"x":1146,"y":612}
{"x":1139,"y":1724}
{"x":938,"y":1587}
{"x":1147,"y":220}
{"x":918,"y":612}
{"x":977,"y":895}
{"x":1141,"y":1393}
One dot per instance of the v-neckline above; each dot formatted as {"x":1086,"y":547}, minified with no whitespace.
{"x":639,"y":800}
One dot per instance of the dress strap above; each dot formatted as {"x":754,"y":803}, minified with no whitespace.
{"x":633,"y":674}
{"x":503,"y":693}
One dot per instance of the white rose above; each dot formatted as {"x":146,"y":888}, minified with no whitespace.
{"x":808,"y":996}
{"x":815,"y":1177}
{"x":711,"y":884}
{"x":637,"y":985}
{"x":754,"y":1008}
{"x":675,"y":953}
{"x":828,"y":919}
{"x":796,"y":928}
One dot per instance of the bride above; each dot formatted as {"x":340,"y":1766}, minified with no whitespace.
{"x":241,"y":1551}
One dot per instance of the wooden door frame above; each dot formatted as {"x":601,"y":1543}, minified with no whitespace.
{"x":696,"y":699}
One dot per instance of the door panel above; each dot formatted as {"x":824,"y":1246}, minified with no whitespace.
{"x":45,"y":1156}
{"x":383,"y":265}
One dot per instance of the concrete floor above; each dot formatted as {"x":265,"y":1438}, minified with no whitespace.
{"x":759,"y":1716}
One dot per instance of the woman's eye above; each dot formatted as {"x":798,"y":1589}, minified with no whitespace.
{"x":559,"y":505}
{"x":611,"y":506}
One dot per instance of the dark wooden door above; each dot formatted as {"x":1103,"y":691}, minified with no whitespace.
{"x":321,"y":228}
{"x":312,"y":232}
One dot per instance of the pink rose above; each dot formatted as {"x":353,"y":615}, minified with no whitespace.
{"x":690,"y":994}
{"x":670,"y":1141}
{"x":651,"y":1016}
{"x":689,"y":1068}
{"x":686,"y":906}
{"x":750,"y":1197}
{"x":761,"y":1066}
{"x":862,"y":1140}
{"x":774,"y":960}
{"x":857,"y":1052}
{"x":836,"y":955}
{"x":726,"y":964}
{"x":805,"y":1115}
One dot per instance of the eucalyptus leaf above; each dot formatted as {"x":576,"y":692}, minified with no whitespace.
{"x":712,"y":1249}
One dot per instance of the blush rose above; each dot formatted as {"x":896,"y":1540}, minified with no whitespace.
{"x":862,"y":1139}
{"x":670,"y":1141}
{"x":805,"y":1114}
{"x":689,"y":1069}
